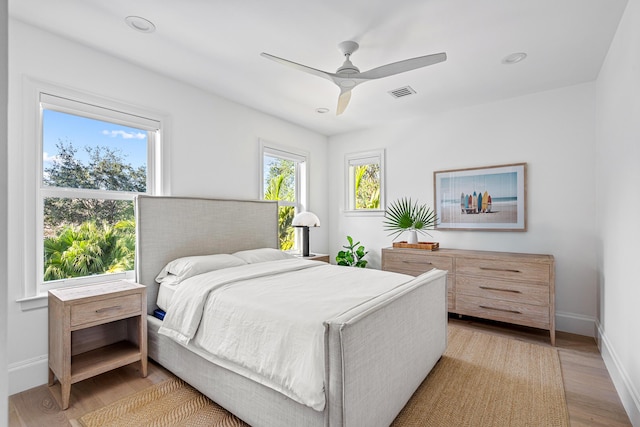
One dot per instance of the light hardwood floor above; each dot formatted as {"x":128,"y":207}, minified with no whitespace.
{"x":591,"y":397}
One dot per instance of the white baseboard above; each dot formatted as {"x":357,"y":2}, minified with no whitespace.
{"x":27,"y":374}
{"x":624,"y":386}
{"x":576,"y":323}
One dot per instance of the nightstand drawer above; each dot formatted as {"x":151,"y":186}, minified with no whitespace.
{"x":103,"y":310}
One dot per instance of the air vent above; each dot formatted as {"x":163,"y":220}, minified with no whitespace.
{"x":402,"y":91}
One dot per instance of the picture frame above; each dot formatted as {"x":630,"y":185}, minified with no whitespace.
{"x":491,"y":198}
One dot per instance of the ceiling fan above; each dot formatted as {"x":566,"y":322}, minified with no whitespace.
{"x":349,"y":76}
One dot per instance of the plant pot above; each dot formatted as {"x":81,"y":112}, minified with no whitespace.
{"x":413,"y":237}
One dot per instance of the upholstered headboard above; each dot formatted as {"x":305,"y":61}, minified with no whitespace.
{"x":172,"y":227}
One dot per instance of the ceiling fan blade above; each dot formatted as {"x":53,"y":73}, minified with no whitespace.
{"x":343,"y":101}
{"x":403,"y":66}
{"x":297,"y":66}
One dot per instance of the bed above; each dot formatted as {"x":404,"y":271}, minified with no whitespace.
{"x":374,"y":355}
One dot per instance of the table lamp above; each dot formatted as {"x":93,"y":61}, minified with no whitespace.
{"x":305,"y":220}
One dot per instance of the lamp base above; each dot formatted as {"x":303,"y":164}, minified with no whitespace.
{"x":305,"y":241}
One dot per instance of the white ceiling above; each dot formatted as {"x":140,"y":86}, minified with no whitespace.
{"x":216,"y":45}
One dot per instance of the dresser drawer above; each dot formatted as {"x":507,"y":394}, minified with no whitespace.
{"x":415,"y":263}
{"x":528,"y":293}
{"x":504,"y":311}
{"x":503,"y":269}
{"x":105,"y":309}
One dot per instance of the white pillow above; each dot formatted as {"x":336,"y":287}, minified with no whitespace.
{"x":252,"y":256}
{"x":182,"y":268}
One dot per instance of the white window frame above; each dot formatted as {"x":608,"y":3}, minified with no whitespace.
{"x":363,"y":158}
{"x":302,"y":177}
{"x":37,"y":96}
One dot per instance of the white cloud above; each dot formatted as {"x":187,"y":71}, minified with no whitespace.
{"x":124,"y":135}
{"x":46,"y":158}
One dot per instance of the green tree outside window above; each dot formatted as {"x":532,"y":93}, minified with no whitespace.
{"x":85,"y":236}
{"x":367,"y":186}
{"x":280,"y":185}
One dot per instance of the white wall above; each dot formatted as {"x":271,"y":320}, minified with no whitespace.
{"x":4,"y":413}
{"x":618,"y":176}
{"x":553,"y":132}
{"x":212,"y":151}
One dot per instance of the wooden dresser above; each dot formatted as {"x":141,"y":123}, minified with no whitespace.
{"x":508,"y":287}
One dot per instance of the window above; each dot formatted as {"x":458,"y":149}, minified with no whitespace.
{"x":365,"y":181}
{"x":94,"y":161}
{"x":284,"y":178}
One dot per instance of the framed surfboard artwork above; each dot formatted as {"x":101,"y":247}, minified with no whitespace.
{"x":491,"y":198}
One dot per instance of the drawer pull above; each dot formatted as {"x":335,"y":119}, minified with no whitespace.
{"x":500,"y":269}
{"x":489,"y":288}
{"x":104,"y":310}
{"x":501,"y":309}
{"x":417,"y":262}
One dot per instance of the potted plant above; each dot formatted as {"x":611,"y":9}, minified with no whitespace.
{"x":405,"y":215}
{"x":353,"y":255}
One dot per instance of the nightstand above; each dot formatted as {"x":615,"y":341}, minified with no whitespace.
{"x":317,"y":257}
{"x":94,"y":329}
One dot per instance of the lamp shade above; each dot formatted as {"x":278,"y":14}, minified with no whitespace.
{"x":306,"y":219}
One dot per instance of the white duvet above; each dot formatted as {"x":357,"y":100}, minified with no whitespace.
{"x":266,"y":319}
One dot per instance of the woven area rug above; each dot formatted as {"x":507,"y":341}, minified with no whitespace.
{"x":486,"y":380}
{"x":481,"y":380}
{"x":167,"y":404}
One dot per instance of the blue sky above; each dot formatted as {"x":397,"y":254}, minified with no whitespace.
{"x":497,"y":184}
{"x":83,"y":132}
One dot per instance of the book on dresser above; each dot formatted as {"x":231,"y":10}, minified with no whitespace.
{"x":509,"y":287}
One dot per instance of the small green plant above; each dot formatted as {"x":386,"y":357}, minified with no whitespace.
{"x":353,"y":255}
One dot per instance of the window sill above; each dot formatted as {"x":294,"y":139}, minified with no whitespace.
{"x":34,"y":302}
{"x":370,"y":212}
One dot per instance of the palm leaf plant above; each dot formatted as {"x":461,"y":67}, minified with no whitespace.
{"x":89,"y":248}
{"x":405,"y":215}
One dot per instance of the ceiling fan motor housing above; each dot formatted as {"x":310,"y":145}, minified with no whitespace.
{"x":347,"y":68}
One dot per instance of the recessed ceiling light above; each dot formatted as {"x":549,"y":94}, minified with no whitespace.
{"x":322,"y":110}
{"x":140,"y":24}
{"x":514,"y":58}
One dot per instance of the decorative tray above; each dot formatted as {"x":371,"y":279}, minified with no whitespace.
{"x":429,"y":246}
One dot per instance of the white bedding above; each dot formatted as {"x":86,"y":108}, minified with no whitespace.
{"x":267,"y":319}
